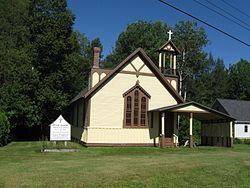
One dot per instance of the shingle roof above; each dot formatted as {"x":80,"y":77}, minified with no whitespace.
{"x":238,"y":109}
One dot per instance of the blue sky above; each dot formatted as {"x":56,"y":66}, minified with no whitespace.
{"x":106,"y":19}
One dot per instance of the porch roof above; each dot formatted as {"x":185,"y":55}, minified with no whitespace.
{"x":200,"y":112}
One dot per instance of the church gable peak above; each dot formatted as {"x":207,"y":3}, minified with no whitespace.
{"x":137,"y":86}
{"x":138,"y":54}
{"x":169,"y":46}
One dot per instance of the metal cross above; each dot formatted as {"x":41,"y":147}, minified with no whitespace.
{"x":170,"y":34}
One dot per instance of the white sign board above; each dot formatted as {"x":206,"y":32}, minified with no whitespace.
{"x":60,"y":130}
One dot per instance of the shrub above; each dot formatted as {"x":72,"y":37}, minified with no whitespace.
{"x":241,"y":141}
{"x":246,"y":141}
{"x":4,"y":129}
{"x":237,"y":141}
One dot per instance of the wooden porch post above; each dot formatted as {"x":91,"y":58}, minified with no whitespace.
{"x":191,"y":130}
{"x":162,"y":129}
{"x":231,"y":134}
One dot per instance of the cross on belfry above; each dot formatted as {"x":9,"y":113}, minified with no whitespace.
{"x":170,"y":34}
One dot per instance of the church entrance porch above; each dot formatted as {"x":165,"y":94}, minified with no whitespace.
{"x":168,"y":129}
{"x":216,"y":127}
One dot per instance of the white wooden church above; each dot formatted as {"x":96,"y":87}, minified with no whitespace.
{"x":137,"y":104}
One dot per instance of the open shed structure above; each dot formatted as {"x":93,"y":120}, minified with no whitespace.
{"x":216,"y":127}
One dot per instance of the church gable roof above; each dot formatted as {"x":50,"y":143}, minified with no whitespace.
{"x":138,"y":52}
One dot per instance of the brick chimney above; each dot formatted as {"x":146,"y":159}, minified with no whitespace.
{"x":96,"y":60}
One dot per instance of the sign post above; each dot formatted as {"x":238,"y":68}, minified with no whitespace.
{"x":60,"y":130}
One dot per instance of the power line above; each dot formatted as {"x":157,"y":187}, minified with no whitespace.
{"x":196,"y":1}
{"x":227,"y":12}
{"x":235,"y":8}
{"x":217,"y":29}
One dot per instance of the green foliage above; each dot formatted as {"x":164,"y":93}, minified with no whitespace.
{"x":212,"y":83}
{"x":239,"y":80}
{"x":43,"y":63}
{"x":241,"y":141}
{"x":150,"y":36}
{"x":184,"y":130}
{"x":4,"y":129}
{"x":190,"y":40}
{"x":51,"y":35}
{"x":63,"y":57}
{"x":147,"y":35}
{"x":18,"y":81}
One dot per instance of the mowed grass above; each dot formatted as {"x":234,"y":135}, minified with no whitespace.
{"x":23,"y":165}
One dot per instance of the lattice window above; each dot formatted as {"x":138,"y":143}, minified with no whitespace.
{"x":136,"y":106}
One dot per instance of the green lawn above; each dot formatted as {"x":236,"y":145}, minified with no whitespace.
{"x":22,"y":165}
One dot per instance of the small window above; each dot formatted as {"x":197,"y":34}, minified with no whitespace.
{"x":246,"y":128}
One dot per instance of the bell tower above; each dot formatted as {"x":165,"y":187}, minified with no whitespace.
{"x":167,"y":57}
{"x":167,"y":61}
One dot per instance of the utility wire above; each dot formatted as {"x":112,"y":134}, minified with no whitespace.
{"x":235,"y":8}
{"x":227,"y":12}
{"x":217,"y":29}
{"x":217,"y":12}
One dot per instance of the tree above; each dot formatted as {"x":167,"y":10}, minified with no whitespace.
{"x":211,"y":83}
{"x":188,"y":37}
{"x":147,"y":35}
{"x":239,"y":80}
{"x":219,"y":81}
{"x":43,"y":64}
{"x":18,"y":81}
{"x":4,"y":129}
{"x":61,"y":56}
{"x":190,"y":40}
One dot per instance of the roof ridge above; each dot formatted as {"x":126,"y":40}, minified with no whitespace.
{"x":237,"y":100}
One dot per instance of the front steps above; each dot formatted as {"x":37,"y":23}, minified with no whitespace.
{"x":167,"y":142}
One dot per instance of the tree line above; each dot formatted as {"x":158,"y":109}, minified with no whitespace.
{"x":44,"y":63}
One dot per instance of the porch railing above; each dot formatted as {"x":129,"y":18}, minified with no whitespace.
{"x":175,"y":140}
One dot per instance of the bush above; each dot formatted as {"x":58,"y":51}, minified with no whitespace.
{"x":241,"y":141}
{"x":4,"y":129}
{"x":237,"y":141}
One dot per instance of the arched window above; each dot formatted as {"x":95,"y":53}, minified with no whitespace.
{"x":136,"y":106}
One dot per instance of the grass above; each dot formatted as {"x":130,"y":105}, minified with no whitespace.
{"x":45,"y":144}
{"x":23,"y":165}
